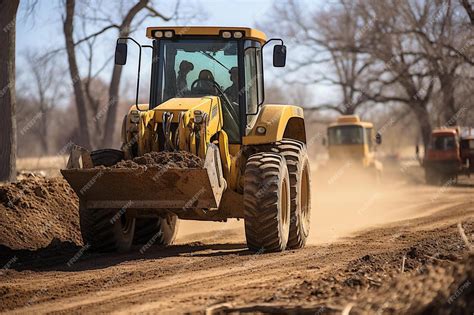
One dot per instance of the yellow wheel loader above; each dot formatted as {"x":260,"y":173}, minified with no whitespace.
{"x":206,"y":98}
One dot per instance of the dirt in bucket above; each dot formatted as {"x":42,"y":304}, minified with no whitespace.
{"x":179,"y":159}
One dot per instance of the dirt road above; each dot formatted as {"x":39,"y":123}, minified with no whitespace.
{"x":360,"y":240}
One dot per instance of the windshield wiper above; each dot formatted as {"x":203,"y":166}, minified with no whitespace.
{"x":211,"y":57}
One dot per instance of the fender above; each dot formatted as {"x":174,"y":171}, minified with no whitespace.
{"x":280,"y":121}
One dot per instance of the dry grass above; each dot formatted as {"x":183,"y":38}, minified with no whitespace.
{"x":46,"y":165}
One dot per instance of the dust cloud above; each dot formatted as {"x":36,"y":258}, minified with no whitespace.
{"x":343,"y":202}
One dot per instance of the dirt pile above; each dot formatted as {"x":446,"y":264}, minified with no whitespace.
{"x":35,"y":211}
{"x":459,"y":296}
{"x":180,"y":159}
{"x":432,"y":276}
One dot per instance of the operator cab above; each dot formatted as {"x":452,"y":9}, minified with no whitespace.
{"x":212,"y":61}
{"x":349,"y":137}
{"x":349,"y":130}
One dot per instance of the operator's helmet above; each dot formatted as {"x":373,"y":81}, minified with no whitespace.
{"x":206,"y":75}
{"x":205,"y":84}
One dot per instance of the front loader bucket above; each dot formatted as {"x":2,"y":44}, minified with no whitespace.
{"x":150,"y":188}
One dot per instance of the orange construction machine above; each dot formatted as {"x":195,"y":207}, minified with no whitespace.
{"x":450,"y":154}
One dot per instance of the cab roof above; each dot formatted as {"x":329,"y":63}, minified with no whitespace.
{"x":351,"y":120}
{"x":445,"y":131}
{"x":249,"y":33}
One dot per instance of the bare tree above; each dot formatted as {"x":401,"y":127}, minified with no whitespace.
{"x":468,"y":7}
{"x":444,"y":42}
{"x":325,"y":40}
{"x":125,"y":28}
{"x":68,"y":28}
{"x":382,"y":52}
{"x":8,"y":11}
{"x":48,"y":91}
{"x":400,"y":75}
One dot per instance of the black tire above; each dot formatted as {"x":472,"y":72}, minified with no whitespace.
{"x":300,"y":189}
{"x":157,"y":231}
{"x":106,"y":230}
{"x":106,"y":157}
{"x":267,"y":202}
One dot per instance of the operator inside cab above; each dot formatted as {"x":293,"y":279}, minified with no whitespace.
{"x":200,"y":67}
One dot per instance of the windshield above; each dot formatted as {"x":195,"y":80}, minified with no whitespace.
{"x":346,"y":135}
{"x":443,"y":143}
{"x":190,"y":68}
{"x":201,"y":67}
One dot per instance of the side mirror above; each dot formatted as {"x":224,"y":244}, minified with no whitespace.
{"x":324,"y":142}
{"x":121,"y":54}
{"x":417,"y":150}
{"x":378,"y":138}
{"x":279,"y":56}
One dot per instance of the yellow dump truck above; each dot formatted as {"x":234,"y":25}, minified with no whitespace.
{"x":351,"y":145}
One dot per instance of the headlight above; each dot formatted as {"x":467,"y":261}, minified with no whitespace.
{"x":226,"y":34}
{"x":238,"y":35}
{"x":158,"y":34}
{"x":134,"y":116}
{"x":197,"y":116}
{"x":261,"y":130}
{"x":169,"y":34}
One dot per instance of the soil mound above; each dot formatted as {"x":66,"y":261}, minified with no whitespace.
{"x":459,"y":296}
{"x":180,"y":159}
{"x":36,"y":210}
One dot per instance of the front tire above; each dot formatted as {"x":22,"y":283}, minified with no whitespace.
{"x":267,"y":202}
{"x":106,"y":230}
{"x":158,"y":231}
{"x":300,"y":189}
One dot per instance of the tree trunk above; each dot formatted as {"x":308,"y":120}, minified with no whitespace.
{"x":83,"y":137}
{"x":111,"y":119}
{"x":423,"y":118}
{"x":8,"y":10}
{"x":44,"y":136}
{"x":449,"y":109}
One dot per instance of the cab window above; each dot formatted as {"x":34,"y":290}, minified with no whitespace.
{"x":345,"y":135}
{"x":443,"y":143}
{"x":370,"y":138}
{"x":253,"y":79}
{"x":251,"y":96}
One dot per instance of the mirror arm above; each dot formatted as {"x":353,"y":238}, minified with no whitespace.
{"x":272,"y":40}
{"x":261,"y":52}
{"x":139,"y":66}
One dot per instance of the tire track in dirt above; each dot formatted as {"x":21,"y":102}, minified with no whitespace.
{"x":210,"y":275}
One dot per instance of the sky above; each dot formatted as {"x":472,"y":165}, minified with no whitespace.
{"x":42,"y":31}
{"x":46,"y":19}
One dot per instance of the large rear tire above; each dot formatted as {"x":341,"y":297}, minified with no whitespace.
{"x":267,"y":202}
{"x":300,"y":189}
{"x":157,"y":231}
{"x":106,"y":230}
{"x":106,"y":157}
